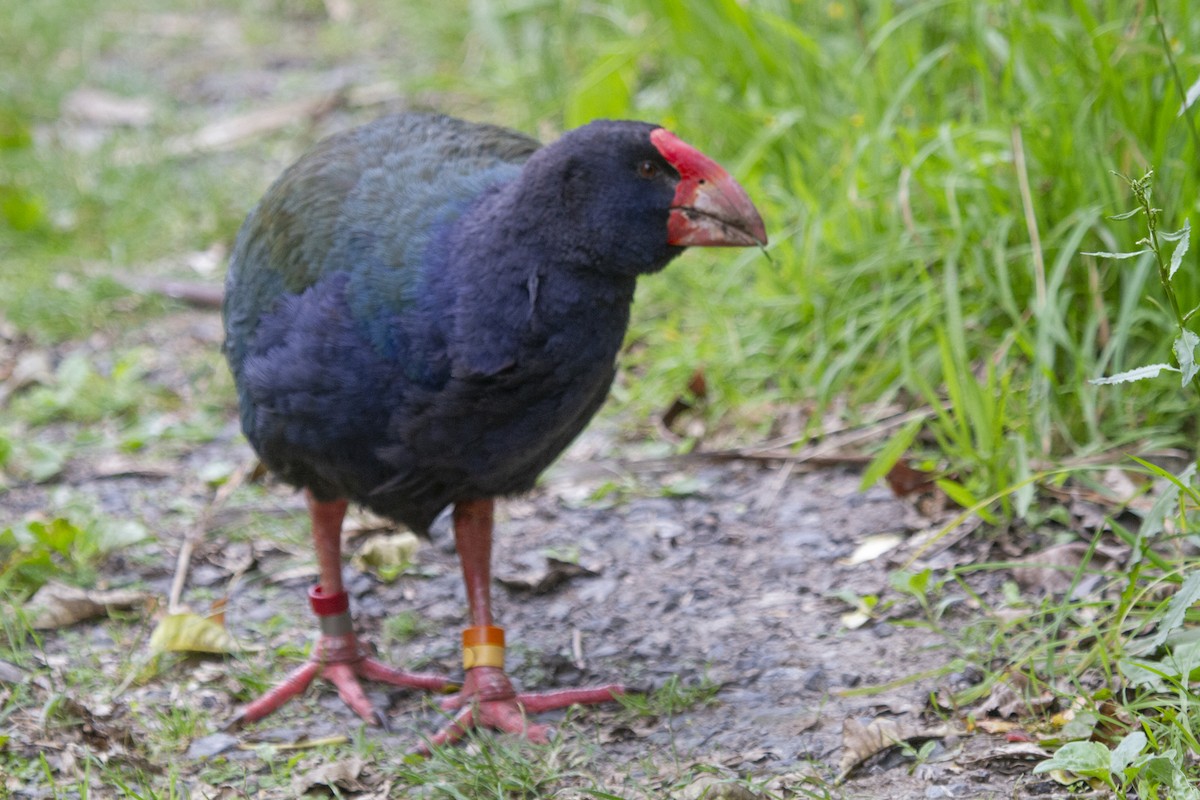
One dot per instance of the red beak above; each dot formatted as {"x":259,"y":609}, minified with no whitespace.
{"x":710,"y":208}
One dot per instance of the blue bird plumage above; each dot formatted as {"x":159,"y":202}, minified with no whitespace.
{"x":424,"y":310}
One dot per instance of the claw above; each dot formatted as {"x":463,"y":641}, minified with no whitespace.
{"x":488,"y":700}
{"x":342,"y":663}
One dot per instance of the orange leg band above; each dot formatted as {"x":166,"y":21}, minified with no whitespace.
{"x":483,"y":646}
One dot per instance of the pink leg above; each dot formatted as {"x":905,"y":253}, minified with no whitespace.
{"x":487,"y":699}
{"x":338,"y":656}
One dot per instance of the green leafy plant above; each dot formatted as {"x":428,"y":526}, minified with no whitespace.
{"x":1123,"y":767}
{"x":60,"y":549}
{"x":1185,"y":341}
{"x":81,"y":393}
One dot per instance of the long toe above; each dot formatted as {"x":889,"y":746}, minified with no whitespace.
{"x":340,"y":662}
{"x":537,"y":702}
{"x":295,"y":683}
{"x":374,"y":670}
{"x":508,"y":716}
{"x":345,"y":678}
{"x":487,"y":701}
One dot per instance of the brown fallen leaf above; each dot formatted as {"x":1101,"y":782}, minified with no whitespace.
{"x":1053,"y":570}
{"x":1001,"y":756}
{"x":904,"y":480}
{"x":341,"y":776}
{"x":863,"y":741}
{"x":117,"y":465}
{"x":97,"y":724}
{"x":57,"y":605}
{"x":1012,"y":695}
{"x":697,"y":391}
{"x":540,"y":581}
{"x":714,"y":787}
{"x":235,"y":558}
{"x":996,"y":726}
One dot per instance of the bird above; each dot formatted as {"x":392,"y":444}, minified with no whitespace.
{"x":421,"y":313}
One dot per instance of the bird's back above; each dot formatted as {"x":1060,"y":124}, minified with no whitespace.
{"x":363,"y":202}
{"x":330,"y":319}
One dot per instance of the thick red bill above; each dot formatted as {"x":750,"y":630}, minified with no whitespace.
{"x":710,"y":208}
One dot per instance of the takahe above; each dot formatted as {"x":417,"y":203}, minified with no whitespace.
{"x":424,"y":312}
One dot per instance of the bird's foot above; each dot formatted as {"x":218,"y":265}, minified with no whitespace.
{"x":488,"y":700}
{"x":341,"y":661}
{"x":339,"y":658}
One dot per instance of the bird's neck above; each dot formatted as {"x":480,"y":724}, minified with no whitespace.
{"x":519,"y":279}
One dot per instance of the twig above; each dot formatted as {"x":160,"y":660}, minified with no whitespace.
{"x":200,"y":294}
{"x":771,"y":492}
{"x":197,"y":532}
{"x":829,"y":452}
{"x":577,"y":649}
{"x":834,"y":443}
{"x":230,"y":132}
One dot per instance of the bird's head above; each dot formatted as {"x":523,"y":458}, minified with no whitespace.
{"x":631,"y":196}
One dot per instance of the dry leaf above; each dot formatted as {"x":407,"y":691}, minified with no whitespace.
{"x":32,"y":367}
{"x":853,"y":620}
{"x":211,"y":746}
{"x":57,"y":605}
{"x":340,"y":775}
{"x":235,"y":558}
{"x":1012,"y":696}
{"x":904,"y":480}
{"x":105,"y":108}
{"x":697,"y":389}
{"x":1119,"y":485}
{"x":872,"y":548}
{"x":863,"y":741}
{"x":712,"y":787}
{"x":387,"y":556}
{"x":540,"y":581}
{"x":996,"y":726}
{"x":361,"y":521}
{"x":191,"y":633}
{"x":1002,"y":756}
{"x":1053,"y":570}
{"x":119,"y":465}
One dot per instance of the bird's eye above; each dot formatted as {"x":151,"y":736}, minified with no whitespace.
{"x":647,"y":170}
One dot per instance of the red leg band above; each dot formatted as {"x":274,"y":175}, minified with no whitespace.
{"x":328,"y":605}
